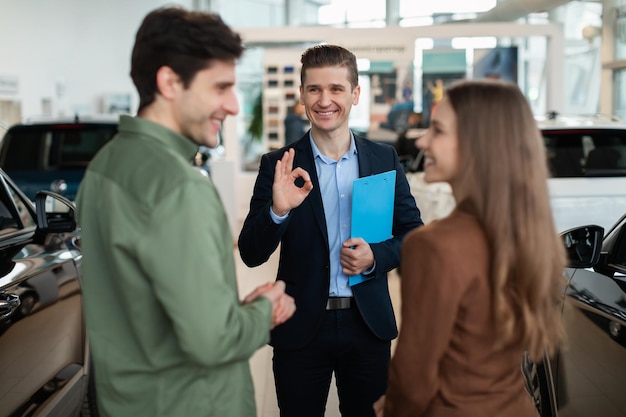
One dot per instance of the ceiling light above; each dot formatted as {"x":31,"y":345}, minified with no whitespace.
{"x":422,"y":8}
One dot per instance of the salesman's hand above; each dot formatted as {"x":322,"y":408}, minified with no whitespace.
{"x":356,"y":256}
{"x":286,"y":195}
{"x":379,"y":407}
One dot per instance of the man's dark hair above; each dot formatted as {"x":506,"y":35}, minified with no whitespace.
{"x":183,"y":40}
{"x":320,"y":56}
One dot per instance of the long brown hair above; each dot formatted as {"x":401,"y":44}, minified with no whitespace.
{"x":504,"y":183}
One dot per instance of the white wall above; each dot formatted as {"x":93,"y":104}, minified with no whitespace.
{"x":69,"y":51}
{"x":72,"y":52}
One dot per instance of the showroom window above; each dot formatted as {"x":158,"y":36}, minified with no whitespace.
{"x":351,"y":13}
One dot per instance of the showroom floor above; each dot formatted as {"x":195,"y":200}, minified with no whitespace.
{"x":261,"y":362}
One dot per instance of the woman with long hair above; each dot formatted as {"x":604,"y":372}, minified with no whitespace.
{"x":481,"y":286}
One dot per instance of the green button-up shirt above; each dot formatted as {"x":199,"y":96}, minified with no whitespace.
{"x":168,"y":334}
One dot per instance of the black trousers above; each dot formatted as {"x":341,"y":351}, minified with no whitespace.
{"x":344,"y":345}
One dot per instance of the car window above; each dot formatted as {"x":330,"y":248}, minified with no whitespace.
{"x":22,"y":150}
{"x":7,"y":221}
{"x":25,"y":214}
{"x":619,"y":250}
{"x":53,"y":147}
{"x":75,"y":148}
{"x":584,"y":152}
{"x":14,"y":212}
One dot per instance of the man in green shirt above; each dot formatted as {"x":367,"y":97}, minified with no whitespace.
{"x":169,"y":336}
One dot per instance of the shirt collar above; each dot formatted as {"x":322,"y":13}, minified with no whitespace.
{"x":144,"y":127}
{"x":318,"y":154}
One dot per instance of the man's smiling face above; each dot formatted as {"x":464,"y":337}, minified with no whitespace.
{"x":328,"y":97}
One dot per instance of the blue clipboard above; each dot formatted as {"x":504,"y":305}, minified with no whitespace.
{"x":372,"y":210}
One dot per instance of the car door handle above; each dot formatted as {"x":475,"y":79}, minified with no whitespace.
{"x":8,"y":304}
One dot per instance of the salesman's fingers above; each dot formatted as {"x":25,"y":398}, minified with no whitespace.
{"x":288,"y":159}
{"x":354,"y":242}
{"x":285,"y":163}
{"x":285,"y":170}
{"x":356,"y":260}
{"x":348,"y":254}
{"x":283,"y":167}
{"x":291,"y":186}
{"x":302,"y":173}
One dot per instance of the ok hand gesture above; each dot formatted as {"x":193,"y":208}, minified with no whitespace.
{"x":286,"y":195}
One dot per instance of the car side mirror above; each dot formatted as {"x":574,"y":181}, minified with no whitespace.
{"x":55,"y":214}
{"x":583,"y":245}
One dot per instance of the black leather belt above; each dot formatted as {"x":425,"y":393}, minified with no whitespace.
{"x":339,"y":303}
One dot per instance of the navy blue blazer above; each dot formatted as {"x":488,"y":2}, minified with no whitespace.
{"x":304,"y":262}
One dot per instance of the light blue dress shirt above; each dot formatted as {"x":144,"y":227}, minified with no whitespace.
{"x":335,"y":179}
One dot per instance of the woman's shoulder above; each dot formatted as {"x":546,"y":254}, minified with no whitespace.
{"x":456,"y":244}
{"x":456,"y":236}
{"x":456,"y":227}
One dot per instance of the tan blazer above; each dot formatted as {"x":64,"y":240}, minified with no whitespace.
{"x":444,"y":363}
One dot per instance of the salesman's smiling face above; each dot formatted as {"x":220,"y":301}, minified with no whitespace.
{"x":328,"y":97}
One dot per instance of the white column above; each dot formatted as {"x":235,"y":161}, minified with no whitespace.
{"x":392,"y":8}
{"x":607,"y":56}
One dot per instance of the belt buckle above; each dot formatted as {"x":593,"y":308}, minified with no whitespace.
{"x":338,"y":303}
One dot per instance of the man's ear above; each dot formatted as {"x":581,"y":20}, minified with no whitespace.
{"x":168,"y":82}
{"x":356,"y":93}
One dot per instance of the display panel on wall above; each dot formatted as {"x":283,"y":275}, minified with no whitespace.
{"x":496,"y":63}
{"x":115,"y":103}
{"x":281,"y":81}
{"x":439,"y":70}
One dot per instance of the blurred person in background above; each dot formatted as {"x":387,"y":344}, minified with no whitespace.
{"x":295,"y":123}
{"x":405,"y":142}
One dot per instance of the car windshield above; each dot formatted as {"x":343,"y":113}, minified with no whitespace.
{"x":47,"y":147}
{"x":586,"y":152}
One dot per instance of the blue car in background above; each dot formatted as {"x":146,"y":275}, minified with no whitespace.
{"x":53,"y":154}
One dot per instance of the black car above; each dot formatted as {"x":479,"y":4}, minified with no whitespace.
{"x":587,"y":377}
{"x":44,"y":366}
{"x":53,"y":154}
